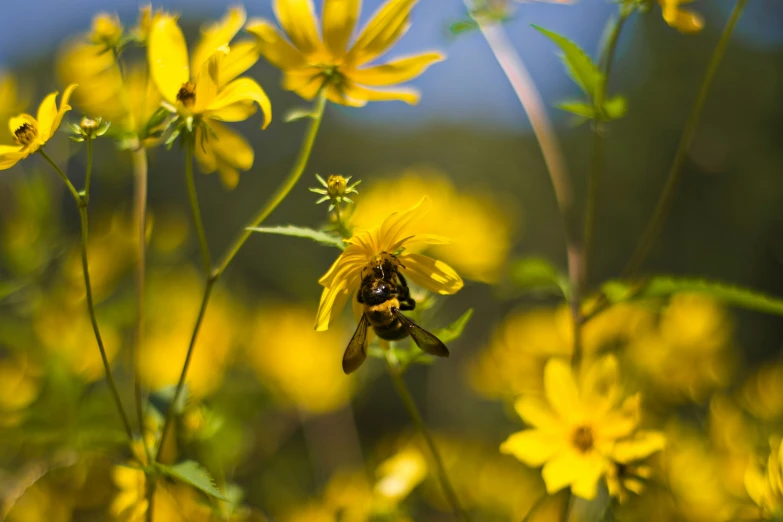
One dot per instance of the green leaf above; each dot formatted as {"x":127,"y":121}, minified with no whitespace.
{"x":615,"y":108}
{"x":316,"y":235}
{"x":194,"y":474}
{"x":579,"y":65}
{"x":454,"y":330}
{"x":666,"y":286}
{"x":298,"y":113}
{"x":537,"y":275}
{"x":580,"y":108}
{"x":463,"y":26}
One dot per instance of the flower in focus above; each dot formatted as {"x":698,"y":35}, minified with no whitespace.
{"x":765,"y":486}
{"x":30,"y":134}
{"x":312,"y":61}
{"x":296,"y":362}
{"x":582,"y":429}
{"x":207,"y":90}
{"x":396,"y":234}
{"x":684,"y":20}
{"x":106,"y":30}
{"x":479,"y":225}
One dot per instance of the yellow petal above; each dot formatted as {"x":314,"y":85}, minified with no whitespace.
{"x":218,"y":35}
{"x":58,"y":118}
{"x":532,"y":447}
{"x":240,"y":90}
{"x":560,"y":471}
{"x":10,"y":155}
{"x":207,"y":82}
{"x":306,"y":82}
{"x":14,"y":122}
{"x":537,"y":413}
{"x":239,"y":111}
{"x":561,"y":391}
{"x":620,"y":423}
{"x":397,"y":71}
{"x":388,"y":23}
{"x":332,"y":302}
{"x":436,"y":276}
{"x":393,"y":228}
{"x":47,"y":112}
{"x":599,"y":388}
{"x":339,"y":20}
{"x":225,"y":151}
{"x":756,"y":484}
{"x":167,"y":55}
{"x":241,"y":57}
{"x":273,"y":46}
{"x":684,"y":20}
{"x":357,"y":92}
{"x":353,"y":258}
{"x":642,"y":445}
{"x":592,"y":467}
{"x":297,"y":17}
{"x":336,"y":94}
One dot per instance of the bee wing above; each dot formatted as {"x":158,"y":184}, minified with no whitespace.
{"x":356,"y":352}
{"x":423,"y":339}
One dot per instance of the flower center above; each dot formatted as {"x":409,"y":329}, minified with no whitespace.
{"x":187,"y":94}
{"x":25,"y":134}
{"x":583,"y":439}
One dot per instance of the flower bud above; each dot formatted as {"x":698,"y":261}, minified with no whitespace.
{"x":106,"y":29}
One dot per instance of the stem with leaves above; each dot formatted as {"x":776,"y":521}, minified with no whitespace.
{"x":81,"y":201}
{"x":213,"y":274}
{"x":397,"y":375}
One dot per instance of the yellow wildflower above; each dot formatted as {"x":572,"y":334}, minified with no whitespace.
{"x":207,"y":90}
{"x":296,"y":362}
{"x":581,"y":430}
{"x":684,"y":20}
{"x":18,"y":386}
{"x":106,"y":30}
{"x":765,"y":486}
{"x":400,"y":473}
{"x":315,"y":61}
{"x":366,"y":247}
{"x":480,"y":225}
{"x":30,"y":134}
{"x":10,"y":103}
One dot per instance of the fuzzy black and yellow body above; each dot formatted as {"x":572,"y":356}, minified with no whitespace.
{"x":384,"y":295}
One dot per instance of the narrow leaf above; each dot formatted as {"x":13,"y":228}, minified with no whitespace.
{"x":537,"y":275}
{"x":298,"y":113}
{"x":666,"y":286}
{"x":579,"y":108}
{"x":463,"y":26}
{"x":194,"y":474}
{"x":316,"y":235}
{"x":579,"y":65}
{"x":454,"y":330}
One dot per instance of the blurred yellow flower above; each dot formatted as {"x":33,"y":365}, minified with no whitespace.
{"x":317,"y":61}
{"x":762,"y":394}
{"x":10,"y":103}
{"x":513,"y":362}
{"x":687,"y":355}
{"x":400,"y":474}
{"x":19,"y":386}
{"x":765,"y":486}
{"x":581,"y":430}
{"x":106,"y":30}
{"x":296,"y":362}
{"x":479,"y":225}
{"x":207,"y":90}
{"x":173,"y":300}
{"x":30,"y":134}
{"x":684,"y":20}
{"x":397,"y":233}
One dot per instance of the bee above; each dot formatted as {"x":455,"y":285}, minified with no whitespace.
{"x":384,"y":295}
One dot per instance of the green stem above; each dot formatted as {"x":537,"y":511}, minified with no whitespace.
{"x":340,"y":225}
{"x":415,"y":414}
{"x":653,"y":230}
{"x":149,"y":493}
{"x":81,"y":202}
{"x":88,"y":176}
{"x":283,"y":190}
{"x":599,"y":142}
{"x":195,"y":209}
{"x":213,"y":275}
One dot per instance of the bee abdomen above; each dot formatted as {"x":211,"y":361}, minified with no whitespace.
{"x":392,"y":331}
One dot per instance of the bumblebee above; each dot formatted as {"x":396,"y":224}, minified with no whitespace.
{"x":384,"y":295}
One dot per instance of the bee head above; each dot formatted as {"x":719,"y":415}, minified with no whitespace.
{"x":377,"y":292}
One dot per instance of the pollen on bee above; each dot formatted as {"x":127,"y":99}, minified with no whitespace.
{"x":25,"y":134}
{"x":187,"y":94}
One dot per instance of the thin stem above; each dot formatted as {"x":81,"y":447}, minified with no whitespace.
{"x":88,"y":176}
{"x":599,"y":141}
{"x":653,"y":230}
{"x":283,"y":190}
{"x":340,"y":224}
{"x":415,"y":414}
{"x":149,"y":493}
{"x":81,"y":202}
{"x":140,"y":169}
{"x":195,"y":209}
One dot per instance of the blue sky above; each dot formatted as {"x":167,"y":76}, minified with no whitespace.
{"x":467,"y":86}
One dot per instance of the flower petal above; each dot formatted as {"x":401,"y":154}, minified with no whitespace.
{"x":560,"y":388}
{"x":297,"y":17}
{"x":436,"y":276}
{"x":392,"y":230}
{"x":339,"y":20}
{"x":532,"y":447}
{"x":388,"y":24}
{"x":273,"y":47}
{"x":10,"y":155}
{"x":332,"y":302}
{"x":359,"y":93}
{"x":642,"y":445}
{"x":218,"y":35}
{"x":592,"y":468}
{"x":684,"y":20}
{"x":47,"y":112}
{"x":241,"y":57}
{"x":167,"y":55}
{"x":397,"y":71}
{"x":225,"y":151}
{"x":14,"y":122}
{"x":537,"y":413}
{"x":207,"y":82}
{"x":241,"y":89}
{"x":305,"y":81}
{"x":560,"y":471}
{"x":58,"y":118}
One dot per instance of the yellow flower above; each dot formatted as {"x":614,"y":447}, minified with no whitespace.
{"x":684,"y":20}
{"x":207,"y":89}
{"x":315,"y":61}
{"x":296,"y":362}
{"x":19,"y":387}
{"x":10,"y":103}
{"x":106,"y":30}
{"x":480,"y":225}
{"x":30,"y":134}
{"x":393,"y":236}
{"x":400,"y":473}
{"x":765,"y":487}
{"x":581,"y":430}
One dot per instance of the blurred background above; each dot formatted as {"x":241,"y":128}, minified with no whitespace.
{"x":270,"y":411}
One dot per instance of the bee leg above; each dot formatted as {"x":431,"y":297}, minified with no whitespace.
{"x":359,"y":297}
{"x":407,"y":304}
